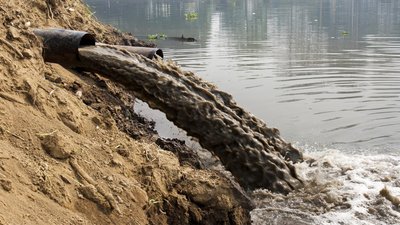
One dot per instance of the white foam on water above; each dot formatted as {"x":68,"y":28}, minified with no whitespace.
{"x":340,"y":189}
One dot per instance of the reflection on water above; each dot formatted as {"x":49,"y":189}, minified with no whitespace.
{"x":322,"y":71}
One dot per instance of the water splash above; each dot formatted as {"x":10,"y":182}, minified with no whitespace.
{"x":340,"y":189}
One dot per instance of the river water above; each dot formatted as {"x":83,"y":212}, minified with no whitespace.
{"x":325,"y":72}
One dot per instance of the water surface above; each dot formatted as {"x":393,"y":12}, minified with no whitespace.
{"x":324,"y":72}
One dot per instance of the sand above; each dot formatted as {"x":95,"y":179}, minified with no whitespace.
{"x":72,"y":151}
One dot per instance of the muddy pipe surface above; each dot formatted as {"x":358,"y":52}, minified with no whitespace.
{"x":256,"y":155}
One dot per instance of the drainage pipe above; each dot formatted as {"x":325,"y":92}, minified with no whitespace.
{"x":61,"y":46}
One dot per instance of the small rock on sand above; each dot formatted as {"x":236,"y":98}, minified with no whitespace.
{"x":6,"y":184}
{"x":27,"y":53}
{"x":55,"y":146}
{"x":13,"y":33}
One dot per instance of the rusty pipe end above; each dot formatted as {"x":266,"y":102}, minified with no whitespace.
{"x":61,"y":46}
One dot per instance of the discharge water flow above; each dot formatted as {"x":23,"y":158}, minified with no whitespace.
{"x":255,"y":154}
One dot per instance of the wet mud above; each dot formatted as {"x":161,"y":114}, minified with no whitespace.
{"x":117,"y":106}
{"x":114,"y":103}
{"x":255,"y":154}
{"x":185,"y":155}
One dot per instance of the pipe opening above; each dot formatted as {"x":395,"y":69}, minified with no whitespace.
{"x":160,"y":53}
{"x":87,"y":39}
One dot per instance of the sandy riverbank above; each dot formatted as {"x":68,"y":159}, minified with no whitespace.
{"x":72,"y":151}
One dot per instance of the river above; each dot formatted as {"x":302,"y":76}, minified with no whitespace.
{"x":324,"y":72}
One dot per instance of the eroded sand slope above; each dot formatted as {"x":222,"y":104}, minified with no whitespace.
{"x":71,"y":149}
